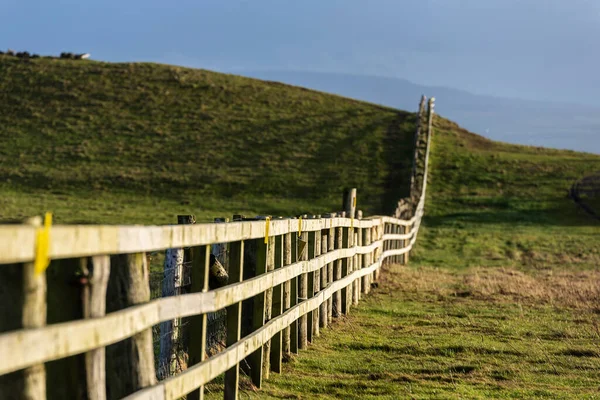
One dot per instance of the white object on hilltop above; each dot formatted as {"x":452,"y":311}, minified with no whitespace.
{"x":84,"y":56}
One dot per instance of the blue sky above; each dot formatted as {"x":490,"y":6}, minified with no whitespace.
{"x":538,"y":49}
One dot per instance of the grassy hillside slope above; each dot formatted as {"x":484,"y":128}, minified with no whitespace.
{"x":139,"y":143}
{"x":496,"y":204}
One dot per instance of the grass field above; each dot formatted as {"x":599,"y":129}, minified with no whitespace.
{"x":140,"y":143}
{"x":500,"y":299}
{"x":427,"y":333}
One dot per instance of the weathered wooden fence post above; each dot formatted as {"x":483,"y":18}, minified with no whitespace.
{"x":199,"y":275}
{"x":130,"y":363}
{"x":363,"y":241}
{"x":34,"y":316}
{"x":303,"y":291}
{"x":278,"y":305}
{"x":256,"y":360}
{"x":234,"y":315}
{"x":356,"y":265}
{"x":337,"y":272}
{"x":94,"y":306}
{"x":23,"y":305}
{"x":287,"y":294}
{"x":294,"y":290}
{"x":323,"y":276}
{"x":314,"y":279}
{"x":330,"y":267}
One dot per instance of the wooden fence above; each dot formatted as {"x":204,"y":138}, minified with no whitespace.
{"x":304,"y":272}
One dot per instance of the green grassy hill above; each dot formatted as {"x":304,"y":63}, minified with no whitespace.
{"x":496,"y":204}
{"x":138,"y":143}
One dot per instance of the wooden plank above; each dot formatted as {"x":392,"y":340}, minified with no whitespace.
{"x":276,"y":353}
{"x":76,"y":241}
{"x":94,"y":306}
{"x":200,"y":259}
{"x":234,"y":318}
{"x":129,"y":363}
{"x":178,"y":386}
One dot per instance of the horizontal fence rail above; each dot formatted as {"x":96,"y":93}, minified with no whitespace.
{"x":89,"y":240}
{"x":274,"y":283}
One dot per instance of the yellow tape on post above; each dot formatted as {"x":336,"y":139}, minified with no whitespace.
{"x":299,"y":226}
{"x":42,"y":246}
{"x":267,"y":230}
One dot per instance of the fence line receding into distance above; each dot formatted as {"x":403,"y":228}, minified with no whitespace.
{"x":84,"y":327}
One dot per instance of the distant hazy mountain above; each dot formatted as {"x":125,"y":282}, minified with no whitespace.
{"x":536,"y":123}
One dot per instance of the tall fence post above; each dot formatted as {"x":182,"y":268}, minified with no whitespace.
{"x":295,"y":290}
{"x":234,"y":316}
{"x":323,"y":273}
{"x":94,"y":306}
{"x":287,"y":294}
{"x":357,"y":283}
{"x":363,"y":241}
{"x":170,"y":331}
{"x":330,"y":268}
{"x":337,"y":272}
{"x":303,"y":291}
{"x":256,"y":360}
{"x":23,"y":305}
{"x":34,"y":316}
{"x":277,"y":306}
{"x":314,"y":249}
{"x":349,"y":202}
{"x":130,"y":363}
{"x":199,"y":275}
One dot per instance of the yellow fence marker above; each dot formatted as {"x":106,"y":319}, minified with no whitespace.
{"x":43,"y":246}
{"x":268,"y":219}
{"x":299,"y":226}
